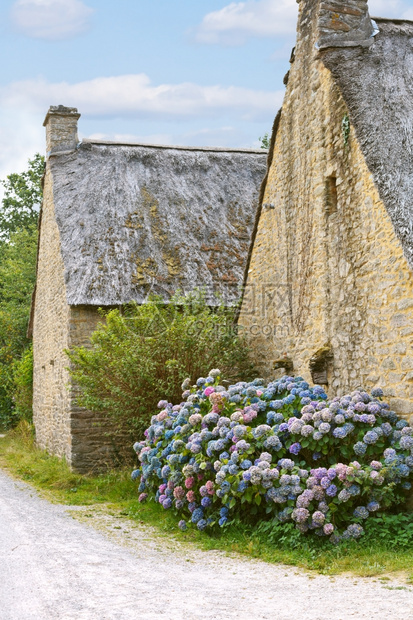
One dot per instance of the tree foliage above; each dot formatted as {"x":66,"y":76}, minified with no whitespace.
{"x":145,"y":352}
{"x":17,"y":279}
{"x":265,"y":141}
{"x":18,"y":248}
{"x":22,"y":198}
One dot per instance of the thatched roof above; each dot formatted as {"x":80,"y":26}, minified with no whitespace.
{"x":377,"y":86}
{"x":135,"y":219}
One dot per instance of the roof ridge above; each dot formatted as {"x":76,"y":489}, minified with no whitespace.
{"x":396,"y":20}
{"x":217,"y":149}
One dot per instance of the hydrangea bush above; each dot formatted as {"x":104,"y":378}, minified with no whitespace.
{"x":259,"y":451}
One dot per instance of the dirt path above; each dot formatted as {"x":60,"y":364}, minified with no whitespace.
{"x":53,"y":567}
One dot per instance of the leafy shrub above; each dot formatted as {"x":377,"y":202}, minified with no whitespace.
{"x":148,"y":350}
{"x":23,"y":385}
{"x":392,"y":530}
{"x":278,"y":451}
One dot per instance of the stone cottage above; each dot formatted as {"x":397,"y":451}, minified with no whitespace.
{"x":118,"y":222}
{"x":329,"y":281}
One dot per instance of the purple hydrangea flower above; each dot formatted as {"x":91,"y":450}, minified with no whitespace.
{"x":300,"y":515}
{"x":331,"y":491}
{"x":296,"y":447}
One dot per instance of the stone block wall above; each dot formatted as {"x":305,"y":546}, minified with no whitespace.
{"x":328,"y":283}
{"x":94,"y":445}
{"x":51,"y":396}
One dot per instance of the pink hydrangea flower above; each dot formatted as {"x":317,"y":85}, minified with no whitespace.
{"x":208,"y":391}
{"x":210,"y":487}
{"x":190,"y":496}
{"x":376,"y":465}
{"x":189,"y":482}
{"x":179,"y":493}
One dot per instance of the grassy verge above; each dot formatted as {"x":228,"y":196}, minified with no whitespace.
{"x":53,"y":478}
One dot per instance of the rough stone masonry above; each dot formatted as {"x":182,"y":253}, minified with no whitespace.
{"x":329,"y":288}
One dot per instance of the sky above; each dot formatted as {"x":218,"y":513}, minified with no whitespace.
{"x":188,"y":72}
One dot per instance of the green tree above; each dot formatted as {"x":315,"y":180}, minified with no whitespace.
{"x":265,"y":141}
{"x":17,"y":279}
{"x":18,"y":247}
{"x":22,"y":198}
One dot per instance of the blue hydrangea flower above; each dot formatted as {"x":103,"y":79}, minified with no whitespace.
{"x":355,"y":530}
{"x":276,"y":404}
{"x":201,"y":524}
{"x":286,"y":464}
{"x":135,"y":474}
{"x":197,"y":514}
{"x":360,"y":448}
{"x":370,"y":437}
{"x":331,"y":490}
{"x":401,"y":424}
{"x":361,"y":512}
{"x":377,"y":392}
{"x":246,"y":464}
{"x":406,"y":442}
{"x":403,"y":470}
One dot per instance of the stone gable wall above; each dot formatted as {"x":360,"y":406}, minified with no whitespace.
{"x":327,"y":271}
{"x":51,"y":397}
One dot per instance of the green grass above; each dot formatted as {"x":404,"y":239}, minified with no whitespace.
{"x":53,"y":478}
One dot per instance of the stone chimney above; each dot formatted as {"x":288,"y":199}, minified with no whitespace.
{"x":61,"y":129}
{"x":345,"y":23}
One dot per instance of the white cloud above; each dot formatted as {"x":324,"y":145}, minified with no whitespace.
{"x":391,"y":8}
{"x":220,"y":136}
{"x":129,"y":138}
{"x":51,"y":19}
{"x":135,"y":96}
{"x":21,"y":136}
{"x":237,"y":21}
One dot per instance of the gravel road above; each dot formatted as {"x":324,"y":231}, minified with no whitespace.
{"x":57,"y":567}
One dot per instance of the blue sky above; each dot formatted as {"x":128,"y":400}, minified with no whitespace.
{"x":203,"y":72}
